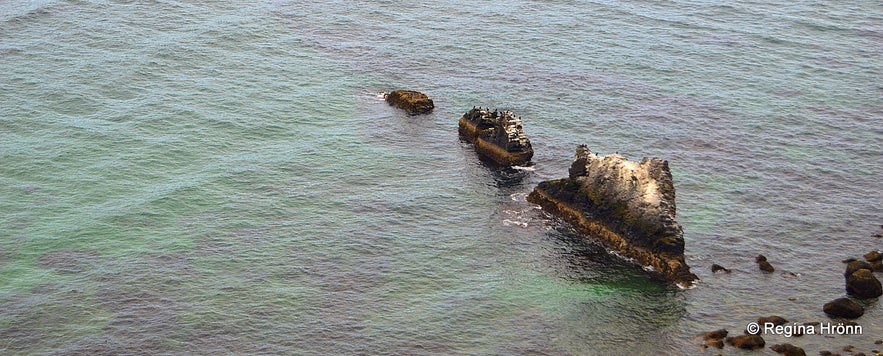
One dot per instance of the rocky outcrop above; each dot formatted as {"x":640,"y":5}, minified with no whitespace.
{"x":411,"y":101}
{"x":497,"y":135}
{"x":628,"y":206}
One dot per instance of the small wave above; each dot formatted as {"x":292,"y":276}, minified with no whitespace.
{"x":518,"y":196}
{"x":508,"y":222}
{"x":524,"y":168}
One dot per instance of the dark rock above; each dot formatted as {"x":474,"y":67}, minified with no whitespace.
{"x":411,"y":101}
{"x":764,"y":265}
{"x":715,"y":268}
{"x":849,"y":260}
{"x":877,"y":266}
{"x":862,"y":284}
{"x":628,"y":206}
{"x":843,"y":308}
{"x":748,"y":342}
{"x":826,"y":353}
{"x":716,"y":343}
{"x":849,"y":348}
{"x":855,"y":266}
{"x":760,"y":258}
{"x":874,"y":256}
{"x":775,"y":320}
{"x":788,"y":350}
{"x":879,"y":342}
{"x":497,"y":135}
{"x":717,"y":334}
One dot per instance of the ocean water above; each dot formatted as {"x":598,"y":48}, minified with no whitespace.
{"x":196,"y":178}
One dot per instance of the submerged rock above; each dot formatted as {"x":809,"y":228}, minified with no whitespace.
{"x":629,"y":206}
{"x":715,"y":268}
{"x":413,"y":102}
{"x":843,"y":308}
{"x":788,"y":350}
{"x":748,"y":342}
{"x":497,"y":135}
{"x":774,"y":319}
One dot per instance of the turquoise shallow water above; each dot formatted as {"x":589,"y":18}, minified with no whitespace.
{"x":200,"y":178}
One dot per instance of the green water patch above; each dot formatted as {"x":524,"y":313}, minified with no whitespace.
{"x":704,"y":198}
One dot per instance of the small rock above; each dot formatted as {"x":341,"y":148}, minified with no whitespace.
{"x":715,"y":268}
{"x":864,"y":285}
{"x":849,"y":260}
{"x":775,"y":320}
{"x":788,"y":350}
{"x":843,"y":308}
{"x":825,"y":353}
{"x":717,"y":334}
{"x":879,"y":342}
{"x":877,"y":266}
{"x":748,"y":342}
{"x":873,"y":256}
{"x":855,"y":266}
{"x":790,"y":275}
{"x":766,"y":267}
{"x":760,"y":258}
{"x":411,"y":101}
{"x":849,"y":348}
{"x":716,"y":343}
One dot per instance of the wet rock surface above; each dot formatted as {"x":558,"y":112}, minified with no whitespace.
{"x":629,"y":206}
{"x":788,"y":350}
{"x":862,"y":284}
{"x":854,"y":266}
{"x":748,"y":342}
{"x":413,"y":102}
{"x":715,"y":268}
{"x":763,"y":264}
{"x":497,"y":135}
{"x":843,"y":308}
{"x":774,"y":319}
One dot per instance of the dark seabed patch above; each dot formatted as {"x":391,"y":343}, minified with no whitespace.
{"x":70,"y":261}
